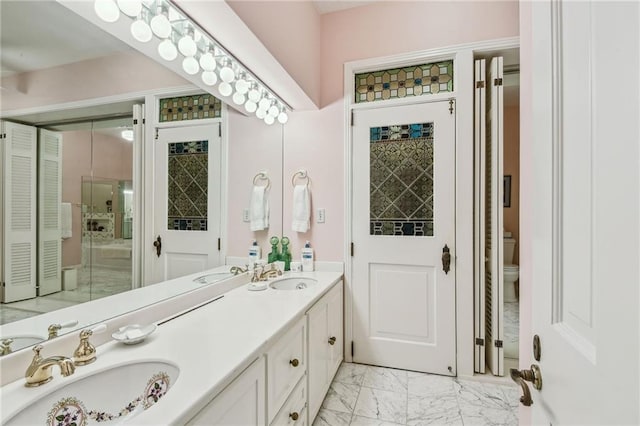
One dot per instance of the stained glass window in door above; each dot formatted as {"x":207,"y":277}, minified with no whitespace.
{"x":401,"y":180}
{"x":188,"y":185}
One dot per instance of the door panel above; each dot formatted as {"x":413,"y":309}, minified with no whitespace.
{"x":403,"y":215}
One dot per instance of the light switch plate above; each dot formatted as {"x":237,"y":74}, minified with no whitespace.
{"x":321,"y":216}
{"x":245,"y":215}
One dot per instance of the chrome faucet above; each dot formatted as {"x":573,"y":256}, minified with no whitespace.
{"x":39,"y":372}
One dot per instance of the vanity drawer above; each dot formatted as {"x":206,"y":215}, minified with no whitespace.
{"x":286,"y":365}
{"x":294,"y":412}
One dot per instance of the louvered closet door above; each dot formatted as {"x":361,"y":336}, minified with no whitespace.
{"x":49,"y":199}
{"x":19,"y":224}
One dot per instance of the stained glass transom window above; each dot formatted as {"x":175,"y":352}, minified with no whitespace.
{"x":188,"y":185}
{"x":416,"y":80}
{"x":401,"y":179}
{"x":194,"y":107}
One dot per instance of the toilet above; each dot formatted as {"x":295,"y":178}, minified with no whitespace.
{"x":510,"y":270}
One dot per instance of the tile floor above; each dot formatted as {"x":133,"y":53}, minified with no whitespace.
{"x":374,"y":396}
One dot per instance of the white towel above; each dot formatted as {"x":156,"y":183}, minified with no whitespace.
{"x":65,"y":220}
{"x":301,"y":208}
{"x":259,"y":208}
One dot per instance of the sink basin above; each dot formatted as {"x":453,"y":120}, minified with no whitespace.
{"x":23,"y":341}
{"x":213,"y":277}
{"x":293,"y":283}
{"x":108,"y":396}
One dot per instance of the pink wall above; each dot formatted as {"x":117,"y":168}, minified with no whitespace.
{"x":512,"y":167}
{"x":94,"y":78}
{"x":112,"y":159}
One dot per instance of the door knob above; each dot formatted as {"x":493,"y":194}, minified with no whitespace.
{"x":446,"y":259}
{"x":533,"y":375}
{"x":158,"y":245}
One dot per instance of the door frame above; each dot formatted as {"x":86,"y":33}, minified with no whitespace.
{"x":463,"y":251}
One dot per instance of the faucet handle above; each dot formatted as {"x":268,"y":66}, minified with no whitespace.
{"x":85,"y":353}
{"x":5,"y":346}
{"x":55,"y":328}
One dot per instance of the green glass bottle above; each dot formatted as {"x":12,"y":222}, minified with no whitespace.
{"x":274,"y":255}
{"x":286,"y":255}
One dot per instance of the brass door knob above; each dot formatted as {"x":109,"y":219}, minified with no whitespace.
{"x":533,"y":375}
{"x":294,"y":362}
{"x":332,"y":341}
{"x":294,"y":416}
{"x":158,"y":245}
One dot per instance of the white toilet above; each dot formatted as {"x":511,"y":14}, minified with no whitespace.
{"x":510,"y":271}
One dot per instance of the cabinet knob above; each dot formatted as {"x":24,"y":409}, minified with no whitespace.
{"x":294,"y":362}
{"x":294,"y":416}
{"x":332,"y":340}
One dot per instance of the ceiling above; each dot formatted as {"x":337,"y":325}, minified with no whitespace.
{"x":328,"y":6}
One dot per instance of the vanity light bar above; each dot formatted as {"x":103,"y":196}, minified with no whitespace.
{"x":179,"y":35}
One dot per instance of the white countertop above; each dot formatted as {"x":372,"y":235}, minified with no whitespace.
{"x":211,"y":345}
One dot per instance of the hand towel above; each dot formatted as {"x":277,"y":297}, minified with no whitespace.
{"x":65,"y":221}
{"x":259,"y":208}
{"x":301,"y":208}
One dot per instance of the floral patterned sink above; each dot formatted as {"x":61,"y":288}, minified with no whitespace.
{"x":108,"y":397}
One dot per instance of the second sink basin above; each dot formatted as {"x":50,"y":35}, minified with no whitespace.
{"x":112,"y":395}
{"x":293,"y":283}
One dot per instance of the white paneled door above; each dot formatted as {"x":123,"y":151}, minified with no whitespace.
{"x":403,"y":231}
{"x":586,"y":197}
{"x":187,"y":201}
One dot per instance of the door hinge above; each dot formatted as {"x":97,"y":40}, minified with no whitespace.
{"x":351,"y":118}
{"x":351,"y":249}
{"x":157,"y":135}
{"x":479,"y":341}
{"x":479,"y":84}
{"x":353,"y":351}
{"x":219,"y":130}
{"x":498,"y":343}
{"x":497,"y":82}
{"x":3,"y":285}
{"x":219,"y":244}
{"x":135,"y":121}
{"x":451,"y":102}
{"x":144,"y":120}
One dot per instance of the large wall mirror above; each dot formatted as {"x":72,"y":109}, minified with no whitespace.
{"x":97,"y":179}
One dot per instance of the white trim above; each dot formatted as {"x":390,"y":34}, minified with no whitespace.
{"x":463,"y":250}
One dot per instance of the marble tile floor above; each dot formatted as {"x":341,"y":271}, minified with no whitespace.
{"x":92,"y":284}
{"x":365,"y":395}
{"x":511,"y":329}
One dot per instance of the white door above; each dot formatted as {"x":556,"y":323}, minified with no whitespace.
{"x":403,"y":216}
{"x":19,"y":212}
{"x":49,"y":206}
{"x":585,"y":210}
{"x":187,"y":201}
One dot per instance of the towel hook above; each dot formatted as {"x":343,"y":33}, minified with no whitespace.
{"x":262,"y":176}
{"x":302,"y":174}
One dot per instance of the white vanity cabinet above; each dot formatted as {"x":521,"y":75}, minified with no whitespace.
{"x":242,"y":403}
{"x":326,"y":344}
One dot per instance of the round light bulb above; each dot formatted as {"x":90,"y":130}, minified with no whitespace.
{"x":254,"y":95}
{"x":141,"y":31}
{"x":274,"y":111}
{"x":130,"y":7}
{"x":209,"y":78}
{"x":225,"y":89}
{"x":190,"y":65}
{"x":208,"y":62}
{"x":167,"y":50}
{"x":260,"y":113}
{"x":226,"y":74}
{"x":251,"y":106}
{"x":264,"y":104}
{"x":161,"y":26}
{"x":283,"y":117}
{"x":238,"y":98}
{"x":242,"y":86}
{"x":269,"y":119}
{"x":107,"y":10}
{"x":187,"y":46}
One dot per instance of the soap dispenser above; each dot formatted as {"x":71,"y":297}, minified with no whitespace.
{"x":307,"y":258}
{"x":286,"y":255}
{"x":275,"y":254}
{"x":254,"y":253}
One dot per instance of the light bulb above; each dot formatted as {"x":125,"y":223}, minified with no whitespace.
{"x":208,"y":62}
{"x":225,"y":89}
{"x":107,"y":10}
{"x":254,"y":95}
{"x":186,"y":45}
{"x":242,"y":86}
{"x":260,"y":113}
{"x":264,"y":104}
{"x":226,"y":74}
{"x":238,"y":98}
{"x":130,"y":7}
{"x":190,"y":65}
{"x":283,"y":117}
{"x":141,"y":31}
{"x":274,"y":111}
{"x":250,"y":106}
{"x":167,"y":50}
{"x":161,"y":26}
{"x":209,"y":78}
{"x":269,"y":119}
